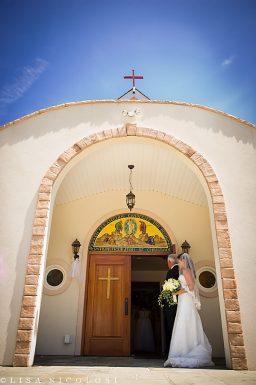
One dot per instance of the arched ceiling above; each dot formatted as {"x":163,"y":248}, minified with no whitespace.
{"x":158,"y":168}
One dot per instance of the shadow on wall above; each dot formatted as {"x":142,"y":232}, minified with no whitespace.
{"x":20,"y":274}
{"x":87,"y":114}
{"x":53,"y":119}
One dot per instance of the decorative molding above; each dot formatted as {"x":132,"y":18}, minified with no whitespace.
{"x":131,"y":113}
{"x":203,"y":266}
{"x":64,"y":267}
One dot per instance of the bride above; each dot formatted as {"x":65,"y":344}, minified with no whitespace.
{"x":189,"y":347}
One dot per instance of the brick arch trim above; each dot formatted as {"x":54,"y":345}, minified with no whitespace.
{"x":25,"y":340}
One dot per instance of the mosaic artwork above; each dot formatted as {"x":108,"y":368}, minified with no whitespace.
{"x":131,"y":232}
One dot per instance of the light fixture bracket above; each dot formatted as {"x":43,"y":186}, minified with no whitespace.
{"x":76,"y":246}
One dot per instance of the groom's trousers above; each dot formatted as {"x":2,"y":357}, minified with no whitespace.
{"x":169,"y":318}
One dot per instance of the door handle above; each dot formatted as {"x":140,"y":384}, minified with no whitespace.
{"x":126,"y":306}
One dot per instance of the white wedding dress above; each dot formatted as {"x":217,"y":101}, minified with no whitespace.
{"x":189,"y":346}
{"x":144,"y":337}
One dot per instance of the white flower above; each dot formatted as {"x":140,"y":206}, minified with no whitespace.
{"x":167,"y":295}
{"x":171,"y":284}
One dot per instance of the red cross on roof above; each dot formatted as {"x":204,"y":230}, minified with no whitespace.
{"x":133,"y":77}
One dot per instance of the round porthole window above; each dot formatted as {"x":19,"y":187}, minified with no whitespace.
{"x":206,"y":281}
{"x":56,"y":279}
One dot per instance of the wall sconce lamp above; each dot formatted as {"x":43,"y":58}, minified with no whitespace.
{"x":75,"y":269}
{"x":185,"y":247}
{"x":130,"y":197}
{"x":76,"y":246}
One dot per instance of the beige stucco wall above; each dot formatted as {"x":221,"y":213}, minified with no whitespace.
{"x":77,"y":219}
{"x":29,"y":147}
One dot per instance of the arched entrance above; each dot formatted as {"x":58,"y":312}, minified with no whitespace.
{"x":113,"y":302}
{"x":26,"y":336}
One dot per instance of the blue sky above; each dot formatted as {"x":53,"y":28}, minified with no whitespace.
{"x":196,"y":51}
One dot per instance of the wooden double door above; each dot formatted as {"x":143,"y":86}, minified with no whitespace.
{"x":108,"y":307}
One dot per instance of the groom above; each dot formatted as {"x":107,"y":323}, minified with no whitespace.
{"x":170,"y":311}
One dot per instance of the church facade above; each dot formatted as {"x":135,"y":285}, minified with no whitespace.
{"x":64,"y":176}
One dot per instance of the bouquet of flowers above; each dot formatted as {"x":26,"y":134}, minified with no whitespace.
{"x":170,"y":287}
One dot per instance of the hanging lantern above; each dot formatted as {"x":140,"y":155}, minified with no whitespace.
{"x":130,"y":197}
{"x":130,"y":200}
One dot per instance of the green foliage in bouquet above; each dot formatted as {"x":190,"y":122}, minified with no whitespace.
{"x":167,"y":295}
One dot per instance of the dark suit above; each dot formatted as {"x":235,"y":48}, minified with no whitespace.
{"x":170,"y":311}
